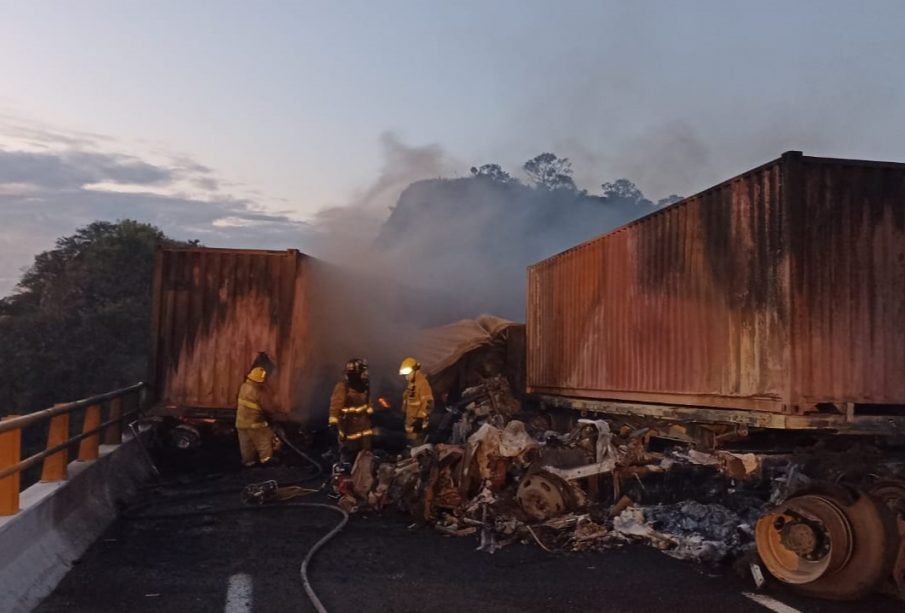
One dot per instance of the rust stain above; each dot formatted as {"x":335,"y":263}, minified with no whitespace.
{"x":782,"y":287}
{"x":850,"y":283}
{"x":215,"y":309}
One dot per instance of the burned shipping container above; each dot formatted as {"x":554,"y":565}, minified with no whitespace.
{"x":774,"y":299}
{"x":214,"y":311}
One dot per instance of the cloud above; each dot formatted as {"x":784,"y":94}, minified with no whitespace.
{"x":206,"y":183}
{"x":73,"y":169}
{"x":31,"y":134}
{"x":32,"y":222}
{"x":54,"y":183}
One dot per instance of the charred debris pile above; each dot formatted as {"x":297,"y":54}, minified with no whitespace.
{"x":501,"y":474}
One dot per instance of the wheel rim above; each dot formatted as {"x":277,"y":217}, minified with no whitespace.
{"x":806,"y":538}
{"x":541,"y":496}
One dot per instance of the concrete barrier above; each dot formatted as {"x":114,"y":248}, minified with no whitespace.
{"x":59,"y":521}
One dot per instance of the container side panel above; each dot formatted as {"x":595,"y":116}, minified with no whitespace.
{"x":180,"y":318}
{"x":212,"y":273}
{"x":303,"y":358}
{"x":221,"y":343}
{"x":850,"y":284}
{"x":217,"y":310}
{"x":689,"y":305}
{"x":314,"y":371}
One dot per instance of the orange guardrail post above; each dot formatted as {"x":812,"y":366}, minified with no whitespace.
{"x":55,"y":466}
{"x":10,"y":455}
{"x":113,"y":435}
{"x":88,"y":448}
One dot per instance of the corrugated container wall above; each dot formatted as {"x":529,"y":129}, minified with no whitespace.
{"x":214,"y":310}
{"x":777,"y":290}
{"x":849,"y":283}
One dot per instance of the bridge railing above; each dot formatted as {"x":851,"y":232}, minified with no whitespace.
{"x":121,"y":405}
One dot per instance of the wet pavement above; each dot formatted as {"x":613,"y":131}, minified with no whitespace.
{"x":248,"y":560}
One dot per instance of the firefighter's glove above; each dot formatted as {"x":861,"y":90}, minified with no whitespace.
{"x":418,"y":425}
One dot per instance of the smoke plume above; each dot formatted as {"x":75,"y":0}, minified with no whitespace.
{"x":415,"y":250}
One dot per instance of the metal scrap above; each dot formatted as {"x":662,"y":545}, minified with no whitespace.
{"x":505,"y":479}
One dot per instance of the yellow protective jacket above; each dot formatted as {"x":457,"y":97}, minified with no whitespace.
{"x":350,"y":412}
{"x":249,"y":413}
{"x":417,"y":400}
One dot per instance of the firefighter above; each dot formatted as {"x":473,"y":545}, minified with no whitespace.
{"x":417,"y":401}
{"x":351,"y":410}
{"x":255,"y":433}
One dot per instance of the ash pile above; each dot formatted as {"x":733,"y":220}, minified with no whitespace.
{"x":501,"y":475}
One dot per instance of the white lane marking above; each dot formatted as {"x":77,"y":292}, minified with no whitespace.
{"x":239,"y":594}
{"x":771,"y":603}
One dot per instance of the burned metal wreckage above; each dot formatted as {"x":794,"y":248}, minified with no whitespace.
{"x":722,"y":379}
{"x":737,"y":359}
{"x":502,"y":477}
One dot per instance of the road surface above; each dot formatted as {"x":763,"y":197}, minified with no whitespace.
{"x":249,"y":561}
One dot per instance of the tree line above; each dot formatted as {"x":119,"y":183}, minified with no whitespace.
{"x":548,"y":171}
{"x":77,"y":323}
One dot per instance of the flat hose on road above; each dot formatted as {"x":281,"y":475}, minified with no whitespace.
{"x":282,"y":436}
{"x":303,"y":570}
{"x":132,"y":514}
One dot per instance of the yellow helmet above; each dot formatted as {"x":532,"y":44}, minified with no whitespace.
{"x":257,"y":374}
{"x":408,"y":366}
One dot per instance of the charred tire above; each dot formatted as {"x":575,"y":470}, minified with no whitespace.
{"x":892,"y":493}
{"x":543,"y":495}
{"x":863,"y":537}
{"x":184,"y":437}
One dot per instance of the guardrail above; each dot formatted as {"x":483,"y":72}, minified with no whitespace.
{"x":55,"y":456}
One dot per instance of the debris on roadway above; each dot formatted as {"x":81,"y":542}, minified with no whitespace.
{"x":501,"y":475}
{"x":501,"y":479}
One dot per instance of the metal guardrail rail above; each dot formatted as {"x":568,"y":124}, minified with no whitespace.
{"x":55,"y":456}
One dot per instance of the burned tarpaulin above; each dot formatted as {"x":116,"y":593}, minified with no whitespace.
{"x":465,"y":353}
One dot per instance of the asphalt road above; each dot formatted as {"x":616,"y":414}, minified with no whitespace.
{"x":249,"y":561}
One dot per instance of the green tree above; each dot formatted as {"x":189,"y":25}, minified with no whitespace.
{"x":493,"y":172}
{"x":621,"y":189}
{"x":78,"y":321}
{"x":550,"y":172}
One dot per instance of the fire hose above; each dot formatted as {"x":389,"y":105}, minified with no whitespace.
{"x":303,"y":569}
{"x":278,"y":430}
{"x":254,"y":497}
{"x":312,"y":551}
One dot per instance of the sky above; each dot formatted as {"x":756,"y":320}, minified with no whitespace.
{"x":247,"y":123}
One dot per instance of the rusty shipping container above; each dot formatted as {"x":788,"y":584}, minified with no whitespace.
{"x":778,"y":293}
{"x":214,"y":310}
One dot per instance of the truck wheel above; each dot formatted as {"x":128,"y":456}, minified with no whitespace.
{"x":893,"y":494}
{"x":836,"y":547}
